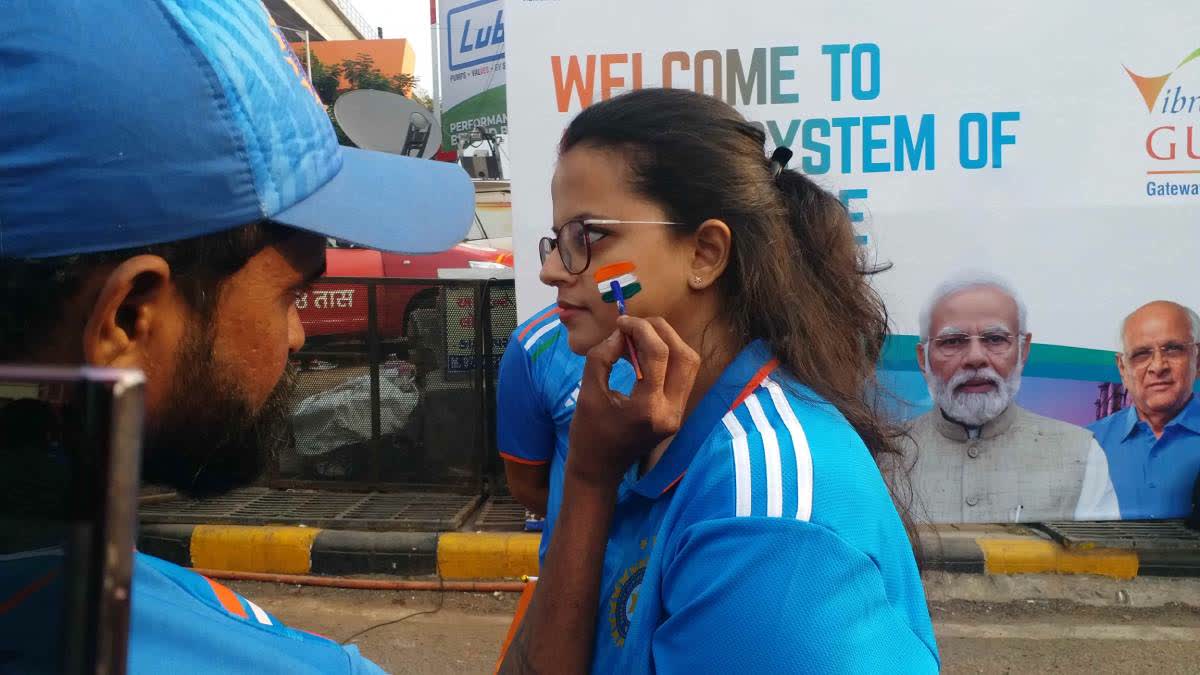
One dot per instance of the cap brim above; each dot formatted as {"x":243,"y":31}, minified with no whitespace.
{"x":389,"y":202}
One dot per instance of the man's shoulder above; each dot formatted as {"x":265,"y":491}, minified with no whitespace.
{"x":1106,"y":424}
{"x":184,"y":620}
{"x":923,"y":426}
{"x":532,"y":332}
{"x":1044,"y":426}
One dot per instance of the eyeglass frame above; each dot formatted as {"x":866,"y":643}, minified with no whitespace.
{"x":1018,"y":339}
{"x":1149,"y":353}
{"x":586,"y":224}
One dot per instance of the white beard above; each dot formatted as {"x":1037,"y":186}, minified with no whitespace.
{"x":974,"y":409}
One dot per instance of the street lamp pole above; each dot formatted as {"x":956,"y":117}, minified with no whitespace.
{"x":307,"y":49}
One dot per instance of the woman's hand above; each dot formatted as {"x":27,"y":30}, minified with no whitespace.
{"x":610,"y":431}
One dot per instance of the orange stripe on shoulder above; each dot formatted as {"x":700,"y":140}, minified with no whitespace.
{"x":228,"y":599}
{"x":521,"y":460}
{"x":673,"y":483}
{"x":762,"y":374}
{"x":542,"y":317}
{"x":33,"y":587}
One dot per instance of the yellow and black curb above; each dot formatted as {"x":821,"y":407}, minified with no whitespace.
{"x":496,"y":555}
{"x":309,"y":550}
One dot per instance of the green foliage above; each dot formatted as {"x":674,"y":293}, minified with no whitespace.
{"x":325,"y":80}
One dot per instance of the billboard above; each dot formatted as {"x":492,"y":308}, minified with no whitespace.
{"x":1054,"y":147}
{"x":473,"y":73}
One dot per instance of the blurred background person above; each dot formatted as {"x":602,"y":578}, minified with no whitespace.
{"x":1153,"y":446}
{"x":536,"y":392}
{"x":978,"y":456}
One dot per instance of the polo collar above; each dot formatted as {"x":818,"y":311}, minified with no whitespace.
{"x":1188,"y":418}
{"x":737,"y":382}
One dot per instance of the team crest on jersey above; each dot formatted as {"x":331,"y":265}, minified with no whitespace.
{"x":625,"y":596}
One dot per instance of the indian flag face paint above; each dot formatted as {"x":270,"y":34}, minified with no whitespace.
{"x":623,"y":274}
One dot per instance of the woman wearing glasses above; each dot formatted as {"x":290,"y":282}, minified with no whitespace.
{"x":728,"y":514}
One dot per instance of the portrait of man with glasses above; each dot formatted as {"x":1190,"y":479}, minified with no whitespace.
{"x":977,"y":456}
{"x":1153,"y":445}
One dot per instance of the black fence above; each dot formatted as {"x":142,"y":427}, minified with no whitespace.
{"x":396,"y":385}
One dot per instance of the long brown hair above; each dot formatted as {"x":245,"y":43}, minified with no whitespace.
{"x":797,"y":278}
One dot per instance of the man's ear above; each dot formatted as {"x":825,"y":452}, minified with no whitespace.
{"x":1121,"y":370}
{"x":714,"y":245}
{"x":134,"y":301}
{"x":921,"y":356}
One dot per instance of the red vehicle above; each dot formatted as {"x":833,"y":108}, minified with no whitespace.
{"x":335,"y":311}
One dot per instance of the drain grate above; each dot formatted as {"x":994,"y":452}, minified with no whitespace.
{"x":501,"y":514}
{"x":408,"y":511}
{"x":1157,"y":535}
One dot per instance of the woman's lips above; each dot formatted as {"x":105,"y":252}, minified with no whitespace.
{"x":568,"y":311}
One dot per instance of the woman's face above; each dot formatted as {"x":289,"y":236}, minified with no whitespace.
{"x":591,"y":183}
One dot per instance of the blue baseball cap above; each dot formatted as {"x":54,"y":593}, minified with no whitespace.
{"x":125,"y":123}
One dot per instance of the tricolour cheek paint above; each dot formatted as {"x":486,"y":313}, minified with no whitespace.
{"x":617,"y":283}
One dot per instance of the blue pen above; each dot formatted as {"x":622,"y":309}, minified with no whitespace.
{"x":619,"y":296}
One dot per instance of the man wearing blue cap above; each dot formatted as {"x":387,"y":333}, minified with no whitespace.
{"x":167,"y":182}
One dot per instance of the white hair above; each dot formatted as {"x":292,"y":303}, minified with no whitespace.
{"x":1193,"y":320}
{"x":966,"y":281}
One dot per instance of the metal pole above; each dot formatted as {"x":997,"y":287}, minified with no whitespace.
{"x":373,"y":356}
{"x":435,"y":61}
{"x":308,"y":56}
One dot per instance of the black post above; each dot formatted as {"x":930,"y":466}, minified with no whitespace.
{"x":482,"y":315}
{"x":374,"y":358}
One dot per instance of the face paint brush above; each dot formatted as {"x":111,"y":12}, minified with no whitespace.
{"x":616,"y":284}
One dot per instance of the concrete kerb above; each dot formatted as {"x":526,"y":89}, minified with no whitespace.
{"x":303,"y":550}
{"x":989,"y":550}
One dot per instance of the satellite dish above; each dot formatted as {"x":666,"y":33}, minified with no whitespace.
{"x":387,"y":122}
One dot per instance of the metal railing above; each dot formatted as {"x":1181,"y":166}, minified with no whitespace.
{"x":352,"y":16}
{"x":396,"y":385}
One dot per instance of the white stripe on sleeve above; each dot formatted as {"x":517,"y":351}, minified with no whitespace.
{"x":741,"y":463}
{"x":540,"y":332}
{"x":259,"y":613}
{"x":804,"y":469}
{"x":771,"y":455}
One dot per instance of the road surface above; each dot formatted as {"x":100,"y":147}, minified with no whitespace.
{"x":462,"y":632}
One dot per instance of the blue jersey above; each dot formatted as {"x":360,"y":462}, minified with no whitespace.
{"x":764,"y":540}
{"x":538,"y":385}
{"x":1153,"y":477}
{"x":180,"y":622}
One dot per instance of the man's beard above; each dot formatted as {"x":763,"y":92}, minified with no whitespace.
{"x":969,"y":408}
{"x":208,"y":440}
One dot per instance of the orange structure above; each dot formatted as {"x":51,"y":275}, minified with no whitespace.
{"x":392,"y":57}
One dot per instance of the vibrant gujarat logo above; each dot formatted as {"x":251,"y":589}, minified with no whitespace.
{"x":1173,"y":144}
{"x":1151,"y":87}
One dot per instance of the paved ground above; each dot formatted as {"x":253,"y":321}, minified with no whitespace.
{"x":464,"y":634}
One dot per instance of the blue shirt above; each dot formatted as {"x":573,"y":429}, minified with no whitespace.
{"x":538,"y":384}
{"x":1153,"y":477}
{"x":764,"y":540}
{"x":180,"y":622}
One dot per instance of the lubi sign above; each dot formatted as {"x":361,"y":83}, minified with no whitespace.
{"x":477,"y":33}
{"x":473,"y":79}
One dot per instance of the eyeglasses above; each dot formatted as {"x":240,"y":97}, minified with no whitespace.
{"x":951,"y":345}
{"x":1175,"y":352}
{"x":575,"y":238}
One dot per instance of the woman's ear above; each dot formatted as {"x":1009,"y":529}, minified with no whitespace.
{"x":135,"y":309}
{"x":713,"y":245}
